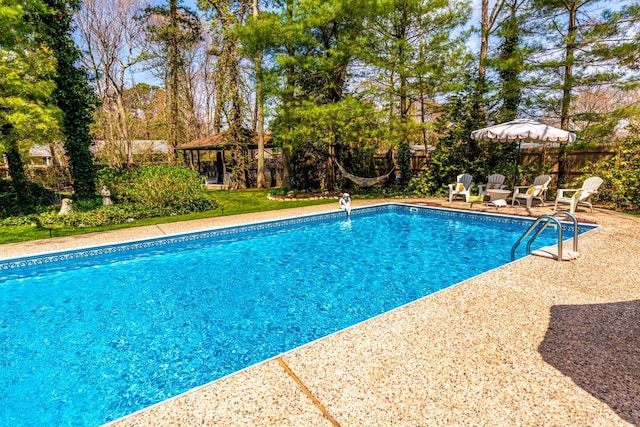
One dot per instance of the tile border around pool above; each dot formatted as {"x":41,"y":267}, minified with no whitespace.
{"x":45,"y":258}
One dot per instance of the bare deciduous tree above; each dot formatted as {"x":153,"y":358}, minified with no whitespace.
{"x":114,"y":44}
{"x":227,"y":17}
{"x":174,"y":31}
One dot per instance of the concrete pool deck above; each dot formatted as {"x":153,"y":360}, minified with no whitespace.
{"x":536,"y":342}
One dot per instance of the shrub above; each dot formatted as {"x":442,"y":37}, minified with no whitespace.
{"x":621,"y":177}
{"x":161,"y":185}
{"x":19,"y":220}
{"x":148,"y":192}
{"x":106,"y":215}
{"x":422,"y":184}
{"x":9,"y":204}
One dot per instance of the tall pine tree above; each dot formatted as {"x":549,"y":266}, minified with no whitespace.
{"x":571,"y":31}
{"x":174,"y":28}
{"x":27,"y":115}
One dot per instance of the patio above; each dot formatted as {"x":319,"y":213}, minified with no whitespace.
{"x":536,"y":342}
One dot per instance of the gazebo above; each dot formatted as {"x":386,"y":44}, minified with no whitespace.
{"x":209,"y":155}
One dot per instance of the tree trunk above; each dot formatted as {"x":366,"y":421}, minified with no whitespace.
{"x":124,"y":128}
{"x":288,"y":102}
{"x":260,"y":182}
{"x":567,"y":86}
{"x":240,"y":153}
{"x":173,"y":80}
{"x":487,"y":22}
{"x":482,"y":62}
{"x":331,"y":175}
{"x":16,"y":169}
{"x":72,"y":95}
{"x":404,"y":160}
{"x":286,"y":166}
{"x":423,"y":110}
{"x":219,"y":99}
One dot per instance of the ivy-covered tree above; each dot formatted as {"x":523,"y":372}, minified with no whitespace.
{"x":243,"y":36}
{"x":510,"y":61}
{"x":73,"y":95}
{"x":488,"y":19}
{"x":227,"y":18}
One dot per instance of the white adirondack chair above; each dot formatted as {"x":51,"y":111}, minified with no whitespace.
{"x":494,"y":182}
{"x":580,"y":196}
{"x":462,"y":187}
{"x":530,"y":192}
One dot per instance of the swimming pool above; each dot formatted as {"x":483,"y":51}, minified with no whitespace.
{"x":88,"y":336}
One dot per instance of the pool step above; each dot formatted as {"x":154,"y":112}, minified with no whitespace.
{"x":552,"y":252}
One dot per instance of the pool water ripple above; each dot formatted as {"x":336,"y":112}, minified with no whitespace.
{"x":86,"y":341}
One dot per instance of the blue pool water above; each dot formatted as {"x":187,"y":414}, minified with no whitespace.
{"x":89,"y":336}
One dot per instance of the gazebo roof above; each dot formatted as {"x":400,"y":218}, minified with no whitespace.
{"x":223,"y":140}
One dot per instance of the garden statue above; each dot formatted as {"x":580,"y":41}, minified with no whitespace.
{"x":345,"y":203}
{"x":66,"y":207}
{"x":106,"y":196}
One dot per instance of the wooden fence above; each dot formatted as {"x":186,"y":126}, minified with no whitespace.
{"x":576,"y":159}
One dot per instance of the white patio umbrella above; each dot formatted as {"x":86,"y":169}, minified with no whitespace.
{"x":523,"y":130}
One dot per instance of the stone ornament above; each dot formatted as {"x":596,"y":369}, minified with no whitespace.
{"x":66,"y":207}
{"x":106,"y":196}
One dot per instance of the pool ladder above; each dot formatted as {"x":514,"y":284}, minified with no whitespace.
{"x":542,"y":223}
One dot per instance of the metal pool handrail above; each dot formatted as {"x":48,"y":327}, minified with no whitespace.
{"x":545,"y":220}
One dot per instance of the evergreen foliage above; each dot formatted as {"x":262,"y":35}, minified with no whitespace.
{"x":405,"y":46}
{"x":26,"y":83}
{"x":73,"y":95}
{"x":350,"y":128}
{"x":340,"y":79}
{"x":621,"y":174}
{"x":313,"y":43}
{"x":576,"y":44}
{"x":457,"y":153}
{"x":155,"y":186}
{"x":175,"y":29}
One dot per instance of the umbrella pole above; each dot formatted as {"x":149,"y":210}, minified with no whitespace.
{"x":517,"y":161}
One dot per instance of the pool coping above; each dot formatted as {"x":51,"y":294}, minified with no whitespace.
{"x":447,"y":212}
{"x":469,"y":354}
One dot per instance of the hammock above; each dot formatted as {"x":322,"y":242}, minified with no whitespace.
{"x":361,"y":181}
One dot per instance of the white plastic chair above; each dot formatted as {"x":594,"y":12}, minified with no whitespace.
{"x":462,"y":187}
{"x":494,"y":182}
{"x":529,"y":192}
{"x":580,"y":196}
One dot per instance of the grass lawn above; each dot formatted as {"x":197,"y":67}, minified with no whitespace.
{"x":229,"y":203}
